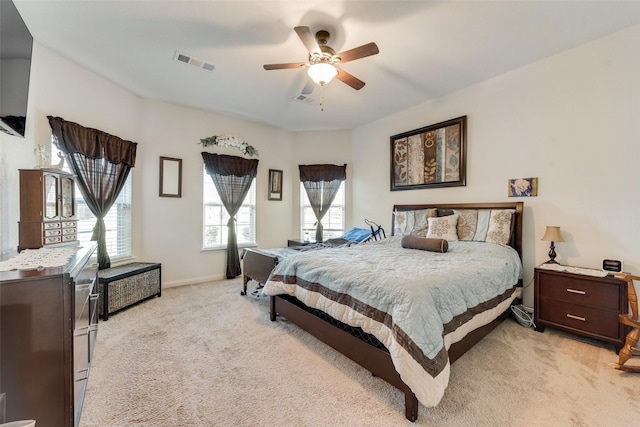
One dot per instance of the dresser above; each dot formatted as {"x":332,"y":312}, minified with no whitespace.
{"x":582,"y":304}
{"x":47,"y":209}
{"x":48,"y":327}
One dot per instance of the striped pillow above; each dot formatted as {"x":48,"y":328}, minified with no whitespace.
{"x":485,"y":225}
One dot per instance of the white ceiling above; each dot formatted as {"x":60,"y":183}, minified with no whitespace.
{"x":427,"y":49}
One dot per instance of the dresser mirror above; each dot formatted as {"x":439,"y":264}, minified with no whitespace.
{"x":67,"y":198}
{"x":51,"y":196}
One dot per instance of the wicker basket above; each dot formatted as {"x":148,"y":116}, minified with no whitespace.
{"x":126,"y":285}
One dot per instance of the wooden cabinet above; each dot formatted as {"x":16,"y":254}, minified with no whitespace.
{"x":48,"y":327}
{"x":47,"y":209}
{"x":581,"y":304}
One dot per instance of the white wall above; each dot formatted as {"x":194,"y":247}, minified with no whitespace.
{"x":171,"y":228}
{"x":165,"y":230}
{"x":570,"y":120}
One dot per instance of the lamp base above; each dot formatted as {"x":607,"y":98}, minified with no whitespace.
{"x":552,"y":255}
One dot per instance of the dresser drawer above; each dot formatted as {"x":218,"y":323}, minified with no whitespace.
{"x":52,"y":232}
{"x":52,"y":240}
{"x":596,"y":321}
{"x":584,"y":292}
{"x":51,"y":225}
{"x":81,"y":309}
{"x":69,"y":237}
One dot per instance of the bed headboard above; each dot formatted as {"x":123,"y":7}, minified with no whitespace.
{"x":447,"y":209}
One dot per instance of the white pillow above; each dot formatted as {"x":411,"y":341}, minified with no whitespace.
{"x":444,"y":227}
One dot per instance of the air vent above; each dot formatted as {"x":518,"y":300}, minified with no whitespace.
{"x":190,"y":60}
{"x":306,"y":100}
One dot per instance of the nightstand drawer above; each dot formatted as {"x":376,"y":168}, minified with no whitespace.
{"x":584,"y":292}
{"x":586,"y":319}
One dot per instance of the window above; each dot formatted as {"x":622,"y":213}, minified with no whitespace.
{"x":117,"y":222}
{"x":333,"y":221}
{"x":215,"y":217}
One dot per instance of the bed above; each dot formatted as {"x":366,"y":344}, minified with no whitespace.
{"x":257,"y":264}
{"x":376,"y":331}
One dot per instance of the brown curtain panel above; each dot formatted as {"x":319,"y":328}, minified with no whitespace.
{"x":232,"y":177}
{"x":321,"y":182}
{"x":102,"y":163}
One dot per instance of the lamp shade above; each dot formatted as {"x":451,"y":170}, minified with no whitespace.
{"x":552,"y":234}
{"x":322,"y":73}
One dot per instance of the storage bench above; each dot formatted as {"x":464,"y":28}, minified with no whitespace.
{"x":127,"y":284}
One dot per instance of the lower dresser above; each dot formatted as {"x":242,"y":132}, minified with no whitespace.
{"x":48,"y":327}
{"x":582,"y":304}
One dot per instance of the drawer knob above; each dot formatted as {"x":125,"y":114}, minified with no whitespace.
{"x":576,"y":291}
{"x":571,"y":316}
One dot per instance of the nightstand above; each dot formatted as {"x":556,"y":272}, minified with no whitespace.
{"x":581,"y":304}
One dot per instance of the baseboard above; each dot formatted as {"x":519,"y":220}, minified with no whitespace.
{"x":191,"y":281}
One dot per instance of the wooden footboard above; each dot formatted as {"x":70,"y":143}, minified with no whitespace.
{"x":256,"y":266}
{"x":375,"y":360}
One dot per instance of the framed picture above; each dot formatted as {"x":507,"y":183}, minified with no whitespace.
{"x":523,"y":187}
{"x":275,"y":184}
{"x":170,"y":177}
{"x":432,"y":156}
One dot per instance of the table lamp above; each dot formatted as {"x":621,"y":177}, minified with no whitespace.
{"x":552,"y":234}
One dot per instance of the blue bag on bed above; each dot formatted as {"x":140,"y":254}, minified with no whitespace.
{"x":357,"y":234}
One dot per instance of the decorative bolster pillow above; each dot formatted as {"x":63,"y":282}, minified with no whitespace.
{"x":425,"y":243}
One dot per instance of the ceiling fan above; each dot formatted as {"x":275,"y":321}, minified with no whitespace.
{"x":323,"y":60}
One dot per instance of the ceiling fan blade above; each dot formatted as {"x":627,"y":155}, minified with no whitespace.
{"x":285,"y":66}
{"x":358,"y":52}
{"x":308,"y":39}
{"x":349,"y":79}
{"x":308,"y":87}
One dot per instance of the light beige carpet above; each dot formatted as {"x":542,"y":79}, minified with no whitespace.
{"x":202,"y":355}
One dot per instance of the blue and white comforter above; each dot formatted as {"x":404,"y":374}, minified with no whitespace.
{"x":417,"y":303}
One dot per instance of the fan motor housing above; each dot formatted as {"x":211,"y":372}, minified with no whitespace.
{"x":322,"y":37}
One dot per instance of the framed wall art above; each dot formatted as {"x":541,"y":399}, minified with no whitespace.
{"x":170,"y":177}
{"x":275,"y":184}
{"x":523,"y":187}
{"x":432,"y":156}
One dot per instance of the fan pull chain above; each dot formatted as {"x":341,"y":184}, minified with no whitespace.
{"x":322,"y":98}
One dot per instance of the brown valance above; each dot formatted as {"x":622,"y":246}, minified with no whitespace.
{"x":222,"y":164}
{"x":317,"y":173}
{"x":73,"y":138}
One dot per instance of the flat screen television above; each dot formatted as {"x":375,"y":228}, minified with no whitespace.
{"x":16,"y":44}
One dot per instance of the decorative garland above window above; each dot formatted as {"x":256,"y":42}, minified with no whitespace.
{"x":230,"y":141}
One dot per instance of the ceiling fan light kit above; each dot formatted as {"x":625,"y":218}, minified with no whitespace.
{"x":322,"y":73}
{"x":323,"y":60}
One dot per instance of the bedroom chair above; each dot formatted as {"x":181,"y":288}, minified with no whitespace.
{"x":630,"y":319}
